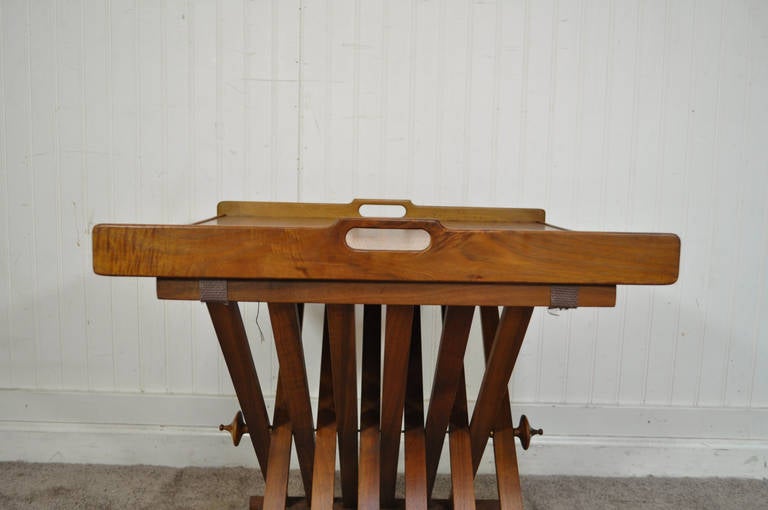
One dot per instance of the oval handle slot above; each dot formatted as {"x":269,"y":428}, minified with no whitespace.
{"x":381,"y":211}
{"x":388,"y":239}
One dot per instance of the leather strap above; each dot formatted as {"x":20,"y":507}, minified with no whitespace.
{"x":213,"y":290}
{"x":564,"y":296}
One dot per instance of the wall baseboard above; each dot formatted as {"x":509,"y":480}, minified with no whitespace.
{"x":180,"y":430}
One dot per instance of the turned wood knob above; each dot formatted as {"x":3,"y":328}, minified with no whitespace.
{"x":237,"y":428}
{"x":525,"y":432}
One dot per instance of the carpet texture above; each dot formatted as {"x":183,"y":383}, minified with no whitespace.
{"x":75,"y":486}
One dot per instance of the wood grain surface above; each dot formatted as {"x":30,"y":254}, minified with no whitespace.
{"x":321,"y":291}
{"x":352,"y":209}
{"x":464,"y":249}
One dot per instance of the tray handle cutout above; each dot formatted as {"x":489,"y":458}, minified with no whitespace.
{"x":381,"y":208}
{"x":388,"y":239}
{"x":381,"y":211}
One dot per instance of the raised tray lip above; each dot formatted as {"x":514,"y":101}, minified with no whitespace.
{"x":352,"y":210}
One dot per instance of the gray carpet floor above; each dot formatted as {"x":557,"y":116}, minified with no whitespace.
{"x":75,"y":486}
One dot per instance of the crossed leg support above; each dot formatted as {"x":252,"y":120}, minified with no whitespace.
{"x":368,"y":481}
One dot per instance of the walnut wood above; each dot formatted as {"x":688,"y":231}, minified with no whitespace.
{"x":290,"y":354}
{"x":415,"y":447}
{"x":507,"y":474}
{"x":368,"y":484}
{"x":448,"y":368}
{"x":290,"y":291}
{"x":460,"y":445}
{"x":397,"y":342}
{"x":506,"y":347}
{"x":415,"y":470}
{"x":276,"y":483}
{"x":508,"y":255}
{"x":341,"y":329}
{"x":524,"y":432}
{"x":233,"y":340}
{"x":236,"y":428}
{"x":504,"y":447}
{"x":325,"y":446}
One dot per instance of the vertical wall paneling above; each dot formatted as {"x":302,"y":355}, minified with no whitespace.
{"x":203,"y":24}
{"x":71,"y":157}
{"x":368,"y":116}
{"x":342,"y":50}
{"x":284,"y":61}
{"x":511,"y":35}
{"x":398,"y":20}
{"x":96,"y":184}
{"x":43,"y":171}
{"x":451,"y":55}
{"x":423,"y":89}
{"x":315,"y":94}
{"x":671,"y":183}
{"x":257,"y":44}
{"x":696,"y":255}
{"x":480,"y":104}
{"x":724,"y":237}
{"x":538,"y":84}
{"x":5,"y":268}
{"x":438,"y":185}
{"x":20,"y":182}
{"x":714,"y":340}
{"x":496,"y":92}
{"x":356,"y":165}
{"x":748,"y":335}
{"x":231,"y":56}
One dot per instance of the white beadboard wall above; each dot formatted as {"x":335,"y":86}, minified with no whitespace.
{"x":610,"y":114}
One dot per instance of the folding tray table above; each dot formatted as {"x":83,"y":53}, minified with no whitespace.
{"x":288,"y":254}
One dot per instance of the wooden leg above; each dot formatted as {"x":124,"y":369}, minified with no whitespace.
{"x":501,"y":360}
{"x":396,"y":346}
{"x":368,"y":486}
{"x":450,"y":365}
{"x":341,"y":330}
{"x":462,"y":477}
{"x":290,"y":353}
{"x":276,"y":486}
{"x":415,"y":448}
{"x":325,"y":450}
{"x":504,"y":448}
{"x":230,"y":331}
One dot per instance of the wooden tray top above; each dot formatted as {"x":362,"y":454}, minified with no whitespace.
{"x":298,"y":241}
